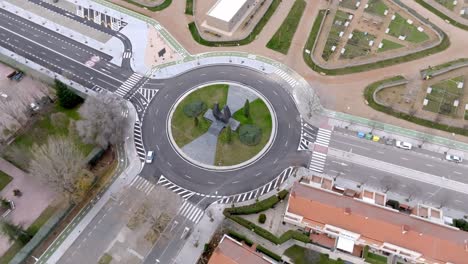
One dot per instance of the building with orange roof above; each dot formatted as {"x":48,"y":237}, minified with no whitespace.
{"x":355,"y":222}
{"x":230,"y":251}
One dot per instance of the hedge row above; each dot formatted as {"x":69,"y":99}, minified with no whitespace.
{"x":258,"y":28}
{"x":268,"y":252}
{"x":160,"y":7}
{"x":240,"y":237}
{"x":369,"y":96}
{"x":444,"y":44}
{"x":189,"y":7}
{"x":258,"y":206}
{"x":441,"y":14}
{"x":291,"y":234}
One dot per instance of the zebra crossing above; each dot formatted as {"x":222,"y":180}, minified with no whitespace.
{"x":184,"y":193}
{"x":191,"y":211}
{"x":275,"y":183}
{"x":290,"y":80}
{"x":140,"y":149}
{"x":142,"y":184}
{"x":317,"y":162}
{"x":127,"y":55}
{"x":128,"y":84}
{"x":323,"y":137}
{"x":148,"y":94}
{"x":308,"y":135}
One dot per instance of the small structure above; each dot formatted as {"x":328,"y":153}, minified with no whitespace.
{"x":456,"y":103}
{"x":460,"y":85}
{"x":387,"y":30}
{"x":380,"y":45}
{"x":393,"y":17}
{"x":420,"y":29}
{"x":429,"y":90}
{"x":385,"y":12}
{"x":409,"y":21}
{"x":425,"y":102}
{"x":225,"y":14}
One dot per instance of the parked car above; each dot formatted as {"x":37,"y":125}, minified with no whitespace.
{"x":34,"y":107}
{"x":403,"y":145}
{"x":149,"y":156}
{"x":389,"y":141}
{"x":453,"y":158}
{"x":375,"y":138}
{"x":369,"y":136}
{"x":361,"y":134}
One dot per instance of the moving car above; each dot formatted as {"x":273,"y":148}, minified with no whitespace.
{"x":403,"y":145}
{"x":149,"y":156}
{"x":453,"y":158}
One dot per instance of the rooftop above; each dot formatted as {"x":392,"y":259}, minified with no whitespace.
{"x":230,"y":251}
{"x":434,"y":241}
{"x":226,"y":9}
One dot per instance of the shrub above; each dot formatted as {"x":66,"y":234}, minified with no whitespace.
{"x":66,"y":97}
{"x":254,"y":208}
{"x":461,"y":223}
{"x":283,"y":194}
{"x":240,"y":237}
{"x":393,"y":203}
{"x":268,"y":252}
{"x":262,"y":218}
{"x":194,"y":108}
{"x":365,"y":252}
{"x":250,"y":134}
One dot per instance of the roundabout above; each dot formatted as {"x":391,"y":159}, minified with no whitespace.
{"x":213,"y":144}
{"x":279,"y":153}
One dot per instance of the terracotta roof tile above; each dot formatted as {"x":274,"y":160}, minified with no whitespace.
{"x":229,"y":252}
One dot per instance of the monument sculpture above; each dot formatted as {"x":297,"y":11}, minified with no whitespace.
{"x":222,"y":116}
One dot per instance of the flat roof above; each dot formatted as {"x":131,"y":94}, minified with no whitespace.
{"x":435,"y":242}
{"x":226,"y":9}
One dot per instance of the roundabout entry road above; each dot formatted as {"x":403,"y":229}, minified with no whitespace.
{"x":168,"y":163}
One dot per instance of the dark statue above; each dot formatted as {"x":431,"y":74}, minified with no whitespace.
{"x":221,"y":116}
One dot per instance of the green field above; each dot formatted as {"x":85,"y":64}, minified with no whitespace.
{"x":334,"y":35}
{"x":236,"y":152}
{"x":281,"y":40}
{"x":443,"y":95}
{"x":376,"y":7}
{"x":183,"y":127}
{"x":189,"y":7}
{"x":40,"y":131}
{"x":300,"y":255}
{"x":350,"y":4}
{"x":4,"y":180}
{"x":376,"y":259}
{"x":447,"y":4}
{"x":389,"y":45}
{"x":399,"y":27}
{"x":358,"y":45}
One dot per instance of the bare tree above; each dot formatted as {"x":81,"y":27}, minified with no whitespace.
{"x":413,"y":191}
{"x":57,"y":163}
{"x":103,"y":122}
{"x":388,"y":183}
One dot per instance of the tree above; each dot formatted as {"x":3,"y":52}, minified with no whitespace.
{"x":57,"y":163}
{"x":14,"y":232}
{"x":196,"y":121}
{"x":102,"y":121}
{"x":66,"y":97}
{"x":262,"y":218}
{"x":247,"y":108}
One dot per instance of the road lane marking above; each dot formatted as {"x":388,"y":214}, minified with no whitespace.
{"x":346,"y":143}
{"x":456,"y":172}
{"x":403,"y":158}
{"x":429,"y":165}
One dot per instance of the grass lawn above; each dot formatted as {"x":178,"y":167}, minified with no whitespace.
{"x":45,"y":127}
{"x":399,"y":27}
{"x":237,"y":152}
{"x":358,"y":45}
{"x":4,"y":180}
{"x":189,"y":7}
{"x":376,"y":7}
{"x":183,"y":129}
{"x":376,"y":259}
{"x":105,"y":259}
{"x":466,"y":114}
{"x":389,"y":45}
{"x":300,"y":255}
{"x":447,"y":4}
{"x":281,"y":40}
{"x":334,"y":35}
{"x":351,"y":4}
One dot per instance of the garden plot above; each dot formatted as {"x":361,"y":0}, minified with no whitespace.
{"x":449,"y":4}
{"x":359,"y":44}
{"x":405,"y":29}
{"x":386,"y":45}
{"x":376,"y":7}
{"x":350,"y":4}
{"x":444,"y":97}
{"x":340,"y":23}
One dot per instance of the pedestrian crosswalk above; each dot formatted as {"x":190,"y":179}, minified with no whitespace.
{"x":317,"y":162}
{"x":184,"y":193}
{"x":127,"y":55}
{"x":148,"y":94}
{"x":191,"y":211}
{"x":275,"y":183}
{"x":323,"y":137}
{"x":142,"y":184}
{"x":128,"y":84}
{"x":140,"y":149}
{"x":308,"y":135}
{"x":290,"y":80}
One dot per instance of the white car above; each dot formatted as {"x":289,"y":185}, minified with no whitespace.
{"x":149,"y":157}
{"x":403,"y":145}
{"x":453,"y":158}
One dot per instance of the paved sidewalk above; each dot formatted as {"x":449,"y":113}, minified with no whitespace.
{"x":129,"y":167}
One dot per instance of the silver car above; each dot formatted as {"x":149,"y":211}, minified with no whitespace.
{"x":403,"y":145}
{"x":453,"y":158}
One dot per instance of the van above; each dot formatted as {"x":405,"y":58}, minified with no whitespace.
{"x":149,"y":157}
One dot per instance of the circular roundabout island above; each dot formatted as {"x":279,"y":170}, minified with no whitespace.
{"x":221,"y":126}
